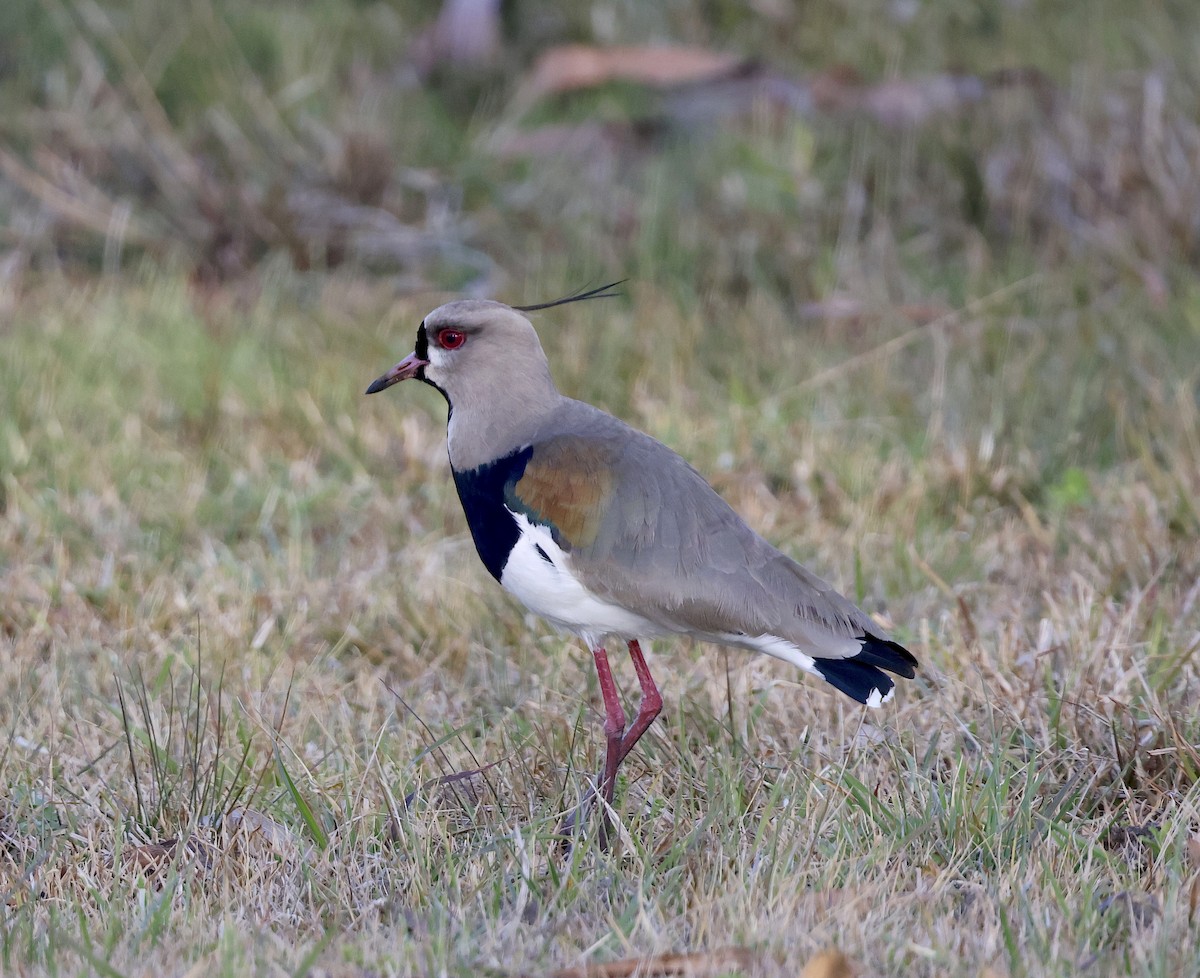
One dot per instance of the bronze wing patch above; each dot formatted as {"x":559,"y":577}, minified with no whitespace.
{"x":567,"y":485}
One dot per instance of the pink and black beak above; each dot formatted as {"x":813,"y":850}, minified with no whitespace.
{"x":410,"y":366}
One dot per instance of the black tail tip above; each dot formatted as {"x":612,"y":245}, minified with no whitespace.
{"x":859,"y":681}
{"x":862,"y":676}
{"x":886,"y":654}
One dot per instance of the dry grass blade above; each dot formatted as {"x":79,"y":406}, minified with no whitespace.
{"x":448,"y":779}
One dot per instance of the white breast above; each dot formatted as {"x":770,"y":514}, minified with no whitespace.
{"x":547,"y":587}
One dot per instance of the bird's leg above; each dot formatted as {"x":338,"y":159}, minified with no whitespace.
{"x":650,"y":706}
{"x":614,"y":732}
{"x":619,"y":742}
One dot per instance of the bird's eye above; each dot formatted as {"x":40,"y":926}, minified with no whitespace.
{"x":451,"y":339}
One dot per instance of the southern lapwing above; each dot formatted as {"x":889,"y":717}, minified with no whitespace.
{"x":606,"y":532}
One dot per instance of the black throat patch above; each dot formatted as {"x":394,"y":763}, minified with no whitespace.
{"x":483,"y":492}
{"x":421,"y":351}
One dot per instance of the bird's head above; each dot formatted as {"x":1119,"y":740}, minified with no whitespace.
{"x":480,"y":351}
{"x":471,"y":349}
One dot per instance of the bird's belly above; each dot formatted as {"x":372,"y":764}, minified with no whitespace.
{"x":538,"y":573}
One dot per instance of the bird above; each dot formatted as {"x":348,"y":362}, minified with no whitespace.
{"x":607,"y":533}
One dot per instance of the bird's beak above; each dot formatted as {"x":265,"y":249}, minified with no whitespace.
{"x":406,"y":368}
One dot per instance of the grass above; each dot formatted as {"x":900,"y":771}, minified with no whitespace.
{"x":261,"y":709}
{"x":250,"y":526}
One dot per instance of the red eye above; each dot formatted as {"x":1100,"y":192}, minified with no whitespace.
{"x":451,"y":339}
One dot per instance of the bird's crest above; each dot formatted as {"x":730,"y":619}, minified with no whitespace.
{"x":577,"y":296}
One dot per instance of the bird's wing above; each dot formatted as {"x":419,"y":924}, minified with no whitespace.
{"x":645,"y":530}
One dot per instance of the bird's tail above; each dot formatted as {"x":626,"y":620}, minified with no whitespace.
{"x":862,"y":676}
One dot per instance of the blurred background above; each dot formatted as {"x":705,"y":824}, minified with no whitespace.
{"x":974,"y":224}
{"x":831,"y":154}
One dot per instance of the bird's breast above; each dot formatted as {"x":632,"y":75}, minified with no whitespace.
{"x":541,"y":575}
{"x":523,"y":555}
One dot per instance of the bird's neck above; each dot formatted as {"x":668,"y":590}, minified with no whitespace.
{"x":482,"y":429}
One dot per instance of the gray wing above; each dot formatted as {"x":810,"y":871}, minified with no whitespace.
{"x":660,"y":541}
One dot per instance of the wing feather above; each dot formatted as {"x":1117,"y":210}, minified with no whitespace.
{"x":644,"y":529}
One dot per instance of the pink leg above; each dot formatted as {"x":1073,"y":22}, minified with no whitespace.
{"x":620,"y":743}
{"x":614,"y":724}
{"x":650,"y":706}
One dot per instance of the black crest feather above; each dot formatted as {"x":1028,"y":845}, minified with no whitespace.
{"x":600,"y":293}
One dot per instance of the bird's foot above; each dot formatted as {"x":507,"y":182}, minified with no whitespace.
{"x":572,"y":823}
